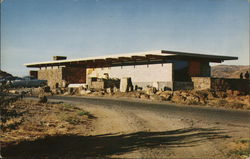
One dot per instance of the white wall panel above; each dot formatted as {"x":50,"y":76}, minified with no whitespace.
{"x":139,"y":73}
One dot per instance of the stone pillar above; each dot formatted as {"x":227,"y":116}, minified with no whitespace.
{"x":126,"y":84}
{"x":89,"y":81}
{"x":156,"y":85}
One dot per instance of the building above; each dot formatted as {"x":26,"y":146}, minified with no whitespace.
{"x":162,"y":69}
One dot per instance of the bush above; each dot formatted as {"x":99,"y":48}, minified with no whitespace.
{"x":7,"y":112}
{"x":71,"y":120}
{"x":82,"y":113}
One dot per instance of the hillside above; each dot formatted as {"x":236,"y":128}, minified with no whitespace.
{"x":4,"y":74}
{"x":229,"y":71}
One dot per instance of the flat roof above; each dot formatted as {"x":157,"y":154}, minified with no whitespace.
{"x":158,"y":56}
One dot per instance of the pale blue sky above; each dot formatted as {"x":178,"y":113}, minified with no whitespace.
{"x":35,"y":30}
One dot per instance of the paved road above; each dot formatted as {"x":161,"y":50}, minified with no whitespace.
{"x":202,"y":114}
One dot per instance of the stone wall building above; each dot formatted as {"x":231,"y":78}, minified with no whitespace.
{"x":62,"y":76}
{"x":161,"y":69}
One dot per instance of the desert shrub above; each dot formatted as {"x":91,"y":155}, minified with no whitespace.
{"x":222,"y":102}
{"x":8,"y":114}
{"x":82,"y":113}
{"x":244,"y":141}
{"x":72,"y":119}
{"x":236,"y":105}
{"x":240,"y":152}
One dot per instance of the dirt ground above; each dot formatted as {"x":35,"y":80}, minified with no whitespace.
{"x":143,"y":134}
{"x":121,"y":133}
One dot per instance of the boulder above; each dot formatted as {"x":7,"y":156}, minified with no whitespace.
{"x":236,"y":93}
{"x":42,"y":99}
{"x":115,"y":89}
{"x":159,"y":92}
{"x":192,"y":99}
{"x":134,"y":94}
{"x":144,"y":96}
{"x":211,"y":95}
{"x":84,"y":92}
{"x":46,"y":89}
{"x":221,"y":94}
{"x":157,"y":97}
{"x":150,"y":90}
{"x":109,"y":90}
{"x":178,"y":98}
{"x":167,"y":95}
{"x":13,"y":91}
{"x":99,"y":93}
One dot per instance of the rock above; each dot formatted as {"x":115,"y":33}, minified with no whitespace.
{"x":192,"y":100}
{"x":61,"y":126}
{"x":144,"y":96}
{"x":99,"y":93}
{"x":178,"y":98}
{"x":221,"y":94}
{"x":66,"y":93}
{"x":211,"y":95}
{"x":46,"y":89}
{"x":150,"y":90}
{"x":50,"y":125}
{"x":156,"y":85}
{"x":84,"y":92}
{"x":130,"y":88}
{"x":157,"y":97}
{"x":13,"y":91}
{"x":229,"y":93}
{"x":159,"y":92}
{"x":109,"y":90}
{"x":42,"y":99}
{"x":115,"y":89}
{"x":71,"y":90}
{"x":236,"y":93}
{"x":133,"y":94}
{"x":176,"y":93}
{"x":36,"y":91}
{"x":167,"y":95}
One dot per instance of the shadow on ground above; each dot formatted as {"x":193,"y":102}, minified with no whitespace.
{"x":73,"y":146}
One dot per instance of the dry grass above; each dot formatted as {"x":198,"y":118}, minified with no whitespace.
{"x":36,"y":120}
{"x":239,"y":149}
{"x":238,"y":102}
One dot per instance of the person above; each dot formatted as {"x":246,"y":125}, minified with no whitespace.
{"x":247,"y":75}
{"x":241,"y":75}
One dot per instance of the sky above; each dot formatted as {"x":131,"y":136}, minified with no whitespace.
{"x":36,"y":30}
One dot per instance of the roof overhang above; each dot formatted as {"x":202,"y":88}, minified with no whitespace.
{"x":159,"y":56}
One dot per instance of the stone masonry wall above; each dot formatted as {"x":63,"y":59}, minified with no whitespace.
{"x":201,"y":83}
{"x":53,"y":76}
{"x":62,"y":76}
{"x":221,"y":84}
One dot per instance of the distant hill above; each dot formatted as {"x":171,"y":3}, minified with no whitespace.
{"x":229,"y":71}
{"x":5,"y":74}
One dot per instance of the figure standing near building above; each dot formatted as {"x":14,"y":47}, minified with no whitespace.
{"x":247,"y":75}
{"x":241,"y":75}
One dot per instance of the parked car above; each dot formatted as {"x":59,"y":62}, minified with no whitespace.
{"x":8,"y":79}
{"x":27,"y":81}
